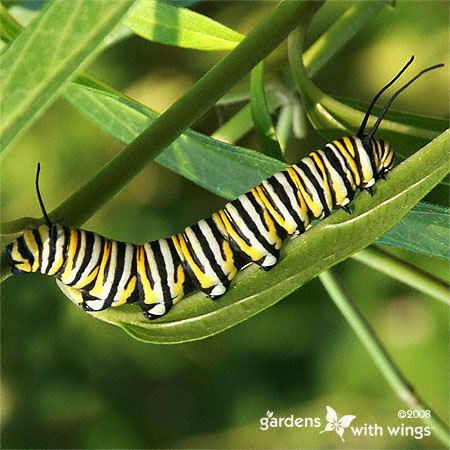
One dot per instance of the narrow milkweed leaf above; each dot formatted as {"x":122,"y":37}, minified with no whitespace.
{"x":46,"y":54}
{"x":205,"y":161}
{"x":140,"y":20}
{"x":334,"y":239}
{"x":264,"y":128}
{"x":170,"y":24}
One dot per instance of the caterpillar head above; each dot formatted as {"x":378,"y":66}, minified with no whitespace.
{"x":20,"y":263}
{"x":382,"y":152}
{"x":383,"y":156}
{"x":25,"y":253}
{"x":37,"y":250}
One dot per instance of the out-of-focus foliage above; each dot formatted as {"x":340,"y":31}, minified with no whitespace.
{"x":69,"y":381}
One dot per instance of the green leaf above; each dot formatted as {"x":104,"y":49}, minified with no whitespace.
{"x":169,"y":24}
{"x":46,"y":54}
{"x":199,"y":158}
{"x":324,"y":245}
{"x":426,"y":231}
{"x":24,"y":15}
{"x":265,"y":131}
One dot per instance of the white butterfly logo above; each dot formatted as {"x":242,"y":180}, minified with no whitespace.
{"x":335,"y":424}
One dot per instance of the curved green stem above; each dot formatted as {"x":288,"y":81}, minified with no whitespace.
{"x":333,"y":118}
{"x":383,"y":361}
{"x":323,"y":111}
{"x":404,"y":272}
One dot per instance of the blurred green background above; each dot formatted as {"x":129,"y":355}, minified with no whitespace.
{"x":70,"y":381}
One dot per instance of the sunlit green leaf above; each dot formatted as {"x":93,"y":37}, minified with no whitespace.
{"x":169,"y":24}
{"x":46,"y":54}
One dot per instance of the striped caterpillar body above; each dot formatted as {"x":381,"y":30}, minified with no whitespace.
{"x":99,"y":272}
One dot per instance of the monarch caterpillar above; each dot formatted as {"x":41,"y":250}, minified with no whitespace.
{"x":99,"y":272}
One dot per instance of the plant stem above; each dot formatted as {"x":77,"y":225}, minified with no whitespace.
{"x":404,"y":272}
{"x":10,"y":27}
{"x":264,"y":38}
{"x":264,"y":128}
{"x":383,"y":361}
